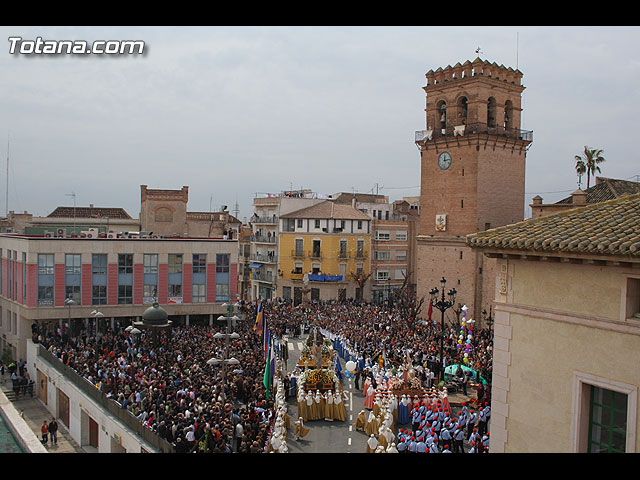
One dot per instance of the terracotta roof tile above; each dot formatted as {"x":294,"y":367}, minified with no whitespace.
{"x":606,"y":228}
{"x":328,"y":209}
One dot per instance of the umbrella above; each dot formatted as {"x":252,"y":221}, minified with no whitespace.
{"x":451,"y":370}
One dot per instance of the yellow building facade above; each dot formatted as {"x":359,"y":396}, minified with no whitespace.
{"x":321,"y":249}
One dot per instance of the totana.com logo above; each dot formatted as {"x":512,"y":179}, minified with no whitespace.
{"x":78,"y":47}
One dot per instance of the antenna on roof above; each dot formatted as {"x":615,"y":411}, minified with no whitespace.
{"x":478,"y":51}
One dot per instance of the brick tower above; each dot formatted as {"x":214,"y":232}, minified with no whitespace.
{"x":472,"y":175}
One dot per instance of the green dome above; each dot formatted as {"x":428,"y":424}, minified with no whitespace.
{"x":155,"y":315}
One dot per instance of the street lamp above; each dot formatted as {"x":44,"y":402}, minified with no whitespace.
{"x":443,"y":305}
{"x":226,"y":336}
{"x":69,"y":301}
{"x":97,"y":315}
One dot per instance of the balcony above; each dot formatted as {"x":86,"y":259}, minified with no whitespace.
{"x":269,"y":219}
{"x":262,"y":277}
{"x":297,"y":253}
{"x":362,"y":254}
{"x":257,"y":257}
{"x":474,"y":128}
{"x":314,"y":254}
{"x":263,"y":239}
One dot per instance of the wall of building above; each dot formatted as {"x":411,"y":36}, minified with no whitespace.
{"x":557,"y":328}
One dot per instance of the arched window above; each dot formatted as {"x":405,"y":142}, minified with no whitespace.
{"x":463,"y":110}
{"x":442,"y":115}
{"x":163,"y":214}
{"x":508,"y":115}
{"x":491,"y":112}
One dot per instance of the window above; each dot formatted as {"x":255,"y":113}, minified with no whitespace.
{"x":359,"y":224}
{"x":99,"y":279}
{"x":222,"y":263}
{"x":382,"y":275}
{"x":45,"y":263}
{"x":149,"y":294}
{"x":175,"y":263}
{"x":125,"y":278}
{"x":607,"y":421}
{"x":632,"y":310}
{"x":174,"y":277}
{"x":299,"y":247}
{"x":343,"y":248}
{"x":401,"y":273}
{"x":382,"y":235}
{"x":199,"y":294}
{"x":299,"y":223}
{"x":222,"y":277}
{"x":150,"y":278}
{"x":317,"y":224}
{"x":401,"y":236}
{"x":150,"y":263}
{"x":383,"y":255}
{"x":401,"y":254}
{"x":72,"y":277}
{"x":125,"y":294}
{"x":45,"y":278}
{"x":222,"y":292}
{"x":125,"y":263}
{"x":24,"y":277}
{"x":199,"y":263}
{"x":72,"y":264}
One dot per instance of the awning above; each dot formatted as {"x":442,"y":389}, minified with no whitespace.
{"x":255,"y":265}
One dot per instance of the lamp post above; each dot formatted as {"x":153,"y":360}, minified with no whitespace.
{"x":97,"y":315}
{"x":69,"y":301}
{"x":443,"y":305}
{"x":226,"y":336}
{"x":489,"y":320}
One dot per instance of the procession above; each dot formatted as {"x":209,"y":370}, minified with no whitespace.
{"x":405,"y":409}
{"x":351,"y":355}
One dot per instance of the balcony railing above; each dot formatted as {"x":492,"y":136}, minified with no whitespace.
{"x":264,"y":277}
{"x":314,"y":254}
{"x":474,"y":128}
{"x":263,"y":239}
{"x":297,"y":253}
{"x":270,"y":219}
{"x":256,"y":257}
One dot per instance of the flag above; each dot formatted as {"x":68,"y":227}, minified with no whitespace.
{"x":430,"y":308}
{"x":258,"y":326}
{"x":267,"y":372}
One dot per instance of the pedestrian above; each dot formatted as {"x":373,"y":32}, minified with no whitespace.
{"x":53,"y":431}
{"x":44,"y":429}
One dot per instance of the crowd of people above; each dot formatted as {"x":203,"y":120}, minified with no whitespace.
{"x":166,"y":383}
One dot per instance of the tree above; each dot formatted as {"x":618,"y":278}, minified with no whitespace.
{"x":588,"y":162}
{"x":405,"y":300}
{"x":361,"y":279}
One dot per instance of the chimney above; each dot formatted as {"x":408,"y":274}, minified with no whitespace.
{"x":579,"y":198}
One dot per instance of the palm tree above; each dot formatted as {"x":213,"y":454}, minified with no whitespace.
{"x":588,"y":162}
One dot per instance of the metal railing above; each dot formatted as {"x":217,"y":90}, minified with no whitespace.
{"x":474,"y":128}
{"x":113,"y":408}
{"x":265,"y":219}
{"x":263,"y":239}
{"x":256,"y":257}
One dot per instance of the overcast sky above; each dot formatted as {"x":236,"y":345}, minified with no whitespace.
{"x":231,"y":111}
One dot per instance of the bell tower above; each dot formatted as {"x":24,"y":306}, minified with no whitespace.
{"x":472,"y":155}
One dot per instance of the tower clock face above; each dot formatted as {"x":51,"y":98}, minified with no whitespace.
{"x":444,"y":160}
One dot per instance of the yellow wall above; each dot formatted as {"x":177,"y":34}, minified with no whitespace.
{"x":329,"y":249}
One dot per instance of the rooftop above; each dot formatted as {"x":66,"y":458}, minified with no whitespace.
{"x":89,"y":212}
{"x":606,"y":189}
{"x":328,"y":209}
{"x":610,"y":228}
